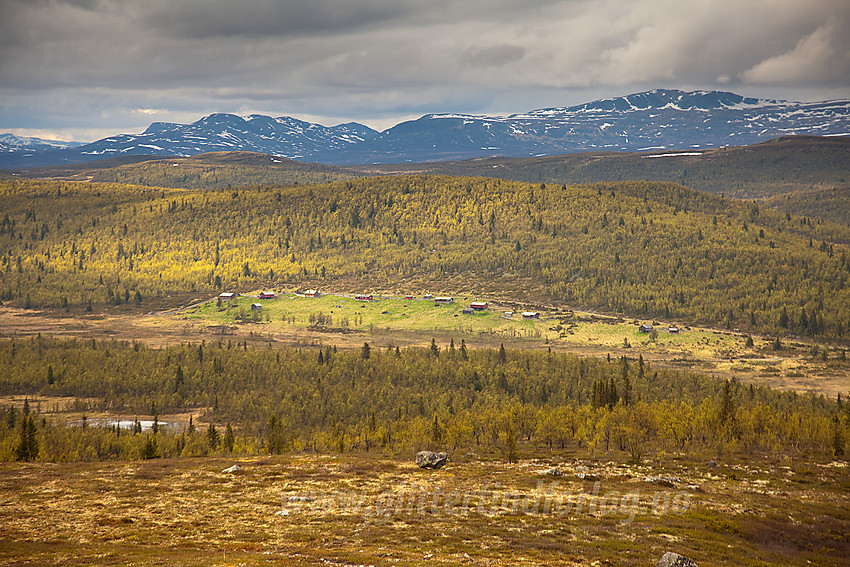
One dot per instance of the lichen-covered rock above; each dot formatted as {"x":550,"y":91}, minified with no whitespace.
{"x":671,"y":559}
{"x":431,"y":460}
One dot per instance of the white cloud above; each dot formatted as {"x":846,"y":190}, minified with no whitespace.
{"x":821,"y":56}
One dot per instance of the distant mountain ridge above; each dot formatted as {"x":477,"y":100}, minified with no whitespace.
{"x":656,"y":119}
{"x":10,"y":143}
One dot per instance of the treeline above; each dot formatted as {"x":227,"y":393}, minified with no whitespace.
{"x":773,"y":168}
{"x":220,"y":170}
{"x":396,"y":400}
{"x":639,"y":248}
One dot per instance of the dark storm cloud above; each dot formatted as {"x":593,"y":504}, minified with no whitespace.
{"x":495,"y":56}
{"x":211,"y":19}
{"x":97,"y":63}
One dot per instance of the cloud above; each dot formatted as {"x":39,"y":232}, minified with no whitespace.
{"x":257,"y":18}
{"x":64,"y":62}
{"x":495,"y":56}
{"x":822,"y":56}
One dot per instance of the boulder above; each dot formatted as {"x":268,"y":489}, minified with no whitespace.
{"x":670,"y":481}
{"x":671,"y":559}
{"x":554,"y":471}
{"x":430,"y":459}
{"x":233,"y":469}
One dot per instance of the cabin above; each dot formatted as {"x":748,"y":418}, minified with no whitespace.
{"x":363,"y":297}
{"x":673,"y":329}
{"x":443,"y":300}
{"x":530,"y":315}
{"x":508,"y":314}
{"x":408,"y":297}
{"x":427,"y":296}
{"x":267,"y":295}
{"x":478,"y":305}
{"x":311,"y":293}
{"x":468,"y":311}
{"x":645,"y":328}
{"x":256,"y":307}
{"x":227,"y":296}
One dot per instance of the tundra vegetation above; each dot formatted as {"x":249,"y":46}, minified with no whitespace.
{"x":313,"y":420}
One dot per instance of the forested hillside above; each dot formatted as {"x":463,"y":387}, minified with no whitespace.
{"x":643,"y":249}
{"x":214,"y":170}
{"x":832,"y":204}
{"x":788,"y":164}
{"x":443,"y":397}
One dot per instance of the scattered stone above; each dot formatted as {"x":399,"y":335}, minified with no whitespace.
{"x":431,"y":460}
{"x":713,"y":464}
{"x":584,"y":473}
{"x":669,"y":481}
{"x":554,"y":471}
{"x":671,"y":559}
{"x":282,"y":513}
{"x":233,"y":469}
{"x":299,"y":499}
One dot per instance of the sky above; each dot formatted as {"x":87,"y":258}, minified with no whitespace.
{"x":85,"y":69}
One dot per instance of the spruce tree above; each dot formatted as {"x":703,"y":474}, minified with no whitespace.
{"x":149,"y":451}
{"x":229,"y":438}
{"x":27,"y":449}
{"x":212,"y":437}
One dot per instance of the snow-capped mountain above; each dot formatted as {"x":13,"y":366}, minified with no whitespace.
{"x":657,"y":119}
{"x":9,"y":143}
{"x":283,"y":136}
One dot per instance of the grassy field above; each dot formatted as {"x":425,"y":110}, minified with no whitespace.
{"x":394,"y":321}
{"x":286,"y":321}
{"x":367,"y":510}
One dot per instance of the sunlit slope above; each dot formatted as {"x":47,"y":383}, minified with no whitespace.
{"x":645,"y":249}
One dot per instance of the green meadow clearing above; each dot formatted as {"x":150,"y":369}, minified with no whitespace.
{"x":391,"y":320}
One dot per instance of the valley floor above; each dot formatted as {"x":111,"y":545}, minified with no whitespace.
{"x":290,"y":321}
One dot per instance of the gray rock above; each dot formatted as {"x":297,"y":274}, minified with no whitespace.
{"x":430,"y":459}
{"x":671,"y":559}
{"x":669,"y":481}
{"x":554,"y":471}
{"x":584,"y":473}
{"x":233,"y":469}
{"x":299,"y":499}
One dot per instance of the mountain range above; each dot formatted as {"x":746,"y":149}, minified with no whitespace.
{"x":652,"y":120}
{"x":27,"y":146}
